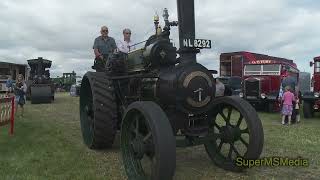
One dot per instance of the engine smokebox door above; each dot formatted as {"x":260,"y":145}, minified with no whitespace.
{"x":196,"y":89}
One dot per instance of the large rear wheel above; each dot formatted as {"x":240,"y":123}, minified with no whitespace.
{"x":236,"y":132}
{"x":147,"y":143}
{"x":98,"y":115}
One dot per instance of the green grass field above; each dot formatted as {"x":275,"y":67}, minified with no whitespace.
{"x":47,"y":144}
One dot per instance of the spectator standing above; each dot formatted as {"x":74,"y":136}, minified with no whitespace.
{"x":9,"y":86}
{"x":287,"y":106}
{"x":297,"y":106}
{"x":20,"y":91}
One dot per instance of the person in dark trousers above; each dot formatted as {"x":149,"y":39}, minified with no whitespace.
{"x":9,"y":86}
{"x":297,"y":105}
{"x":20,"y":90}
{"x":103,"y":46}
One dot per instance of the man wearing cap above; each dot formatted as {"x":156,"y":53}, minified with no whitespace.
{"x":103,"y":46}
{"x":125,"y":45}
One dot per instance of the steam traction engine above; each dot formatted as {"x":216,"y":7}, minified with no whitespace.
{"x":311,"y":100}
{"x":40,"y":87}
{"x":160,"y":102}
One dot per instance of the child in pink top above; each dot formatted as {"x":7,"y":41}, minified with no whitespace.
{"x":287,"y":107}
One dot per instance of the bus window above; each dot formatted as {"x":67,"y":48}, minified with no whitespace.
{"x":252,"y":69}
{"x":317,"y":67}
{"x":271,"y":69}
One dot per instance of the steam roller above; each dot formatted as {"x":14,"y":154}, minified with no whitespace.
{"x":40,"y":85}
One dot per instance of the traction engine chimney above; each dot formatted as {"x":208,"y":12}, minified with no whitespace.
{"x":186,"y":21}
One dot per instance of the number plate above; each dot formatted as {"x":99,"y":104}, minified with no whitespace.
{"x":251,"y":97}
{"x":197,"y":43}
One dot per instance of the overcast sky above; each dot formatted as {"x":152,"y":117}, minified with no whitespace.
{"x":64,"y":31}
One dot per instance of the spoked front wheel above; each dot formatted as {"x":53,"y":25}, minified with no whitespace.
{"x":148,"y":145}
{"x":236,"y":132}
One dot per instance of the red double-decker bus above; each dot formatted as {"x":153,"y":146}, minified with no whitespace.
{"x":264,"y":79}
{"x":262,"y":76}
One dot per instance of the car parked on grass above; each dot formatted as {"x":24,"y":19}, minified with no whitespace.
{"x":232,"y":85}
{"x":75,"y":88}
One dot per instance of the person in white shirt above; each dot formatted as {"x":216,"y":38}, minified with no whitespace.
{"x":125,"y":45}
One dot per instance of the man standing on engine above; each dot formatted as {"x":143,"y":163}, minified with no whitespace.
{"x":103,"y":46}
{"x":125,"y":45}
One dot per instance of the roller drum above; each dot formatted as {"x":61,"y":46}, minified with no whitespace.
{"x":41,"y":94}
